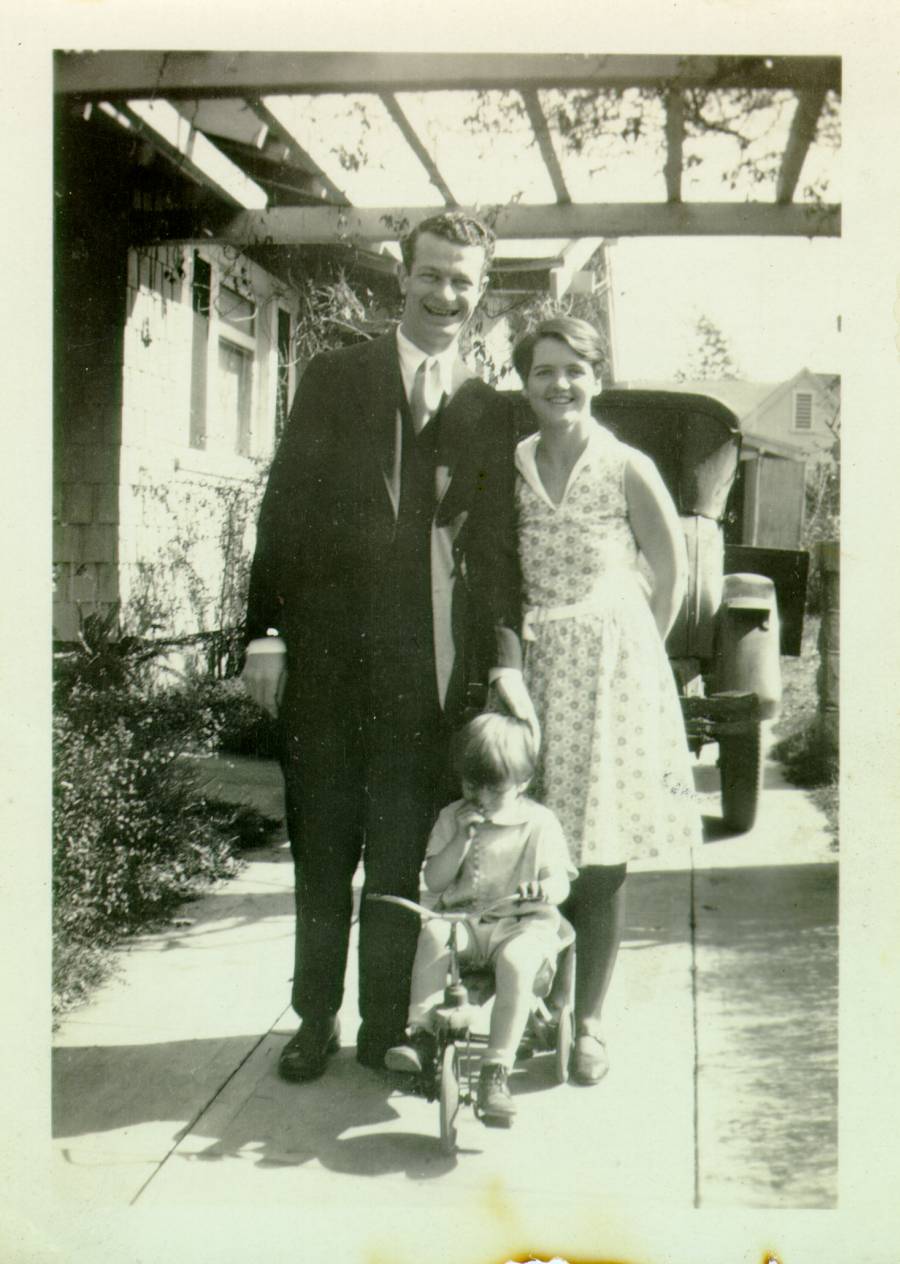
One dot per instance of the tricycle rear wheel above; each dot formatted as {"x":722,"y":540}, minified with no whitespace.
{"x":741,"y":770}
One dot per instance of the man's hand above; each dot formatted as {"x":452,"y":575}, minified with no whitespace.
{"x":510,"y":686}
{"x":264,"y":674}
{"x":534,"y":890}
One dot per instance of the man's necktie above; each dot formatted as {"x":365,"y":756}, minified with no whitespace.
{"x":425,"y":397}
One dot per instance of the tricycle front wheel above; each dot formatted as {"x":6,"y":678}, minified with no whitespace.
{"x":565,"y":1038}
{"x":449,"y":1092}
{"x":741,"y":771}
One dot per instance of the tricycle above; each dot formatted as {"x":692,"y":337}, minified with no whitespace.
{"x":451,"y":1077}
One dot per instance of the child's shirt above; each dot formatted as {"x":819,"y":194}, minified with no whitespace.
{"x":522,"y":844}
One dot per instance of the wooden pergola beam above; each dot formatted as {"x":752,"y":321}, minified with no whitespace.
{"x":674,"y":163}
{"x":802,"y":133}
{"x":538,"y":121}
{"x":297,"y":154}
{"x":322,"y":225}
{"x":411,"y":136}
{"x":129,"y":73}
{"x":160,"y":124}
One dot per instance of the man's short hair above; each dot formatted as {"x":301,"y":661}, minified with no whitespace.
{"x":495,"y":750}
{"x":455,"y":226}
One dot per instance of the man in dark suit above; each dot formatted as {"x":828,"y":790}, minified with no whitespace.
{"x":385,"y":558}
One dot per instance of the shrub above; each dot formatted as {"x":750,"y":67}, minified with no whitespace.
{"x":807,"y":759}
{"x":809,"y":762}
{"x":131,"y":834}
{"x":236,"y":724}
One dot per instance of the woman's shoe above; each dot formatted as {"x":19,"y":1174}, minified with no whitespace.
{"x":590,"y":1061}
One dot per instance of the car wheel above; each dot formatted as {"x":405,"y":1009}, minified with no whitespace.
{"x":741,"y":769}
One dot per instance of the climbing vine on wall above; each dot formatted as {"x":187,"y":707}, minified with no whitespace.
{"x":196,"y":581}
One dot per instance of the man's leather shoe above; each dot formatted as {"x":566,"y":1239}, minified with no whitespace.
{"x":305,"y":1055}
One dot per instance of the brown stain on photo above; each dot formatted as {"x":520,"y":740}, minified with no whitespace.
{"x":530,"y":1258}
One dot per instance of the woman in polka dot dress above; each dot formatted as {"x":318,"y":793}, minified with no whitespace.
{"x":614,"y":763}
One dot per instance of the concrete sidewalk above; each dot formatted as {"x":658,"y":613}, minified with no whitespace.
{"x":722,"y":1024}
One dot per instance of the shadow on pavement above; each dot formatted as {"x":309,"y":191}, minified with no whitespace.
{"x":199,"y":928}
{"x":288,"y":1125}
{"x":116,"y":1088}
{"x":706,"y":778}
{"x":765,"y":941}
{"x":766,"y":951}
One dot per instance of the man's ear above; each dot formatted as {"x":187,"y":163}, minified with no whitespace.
{"x":402,"y":278}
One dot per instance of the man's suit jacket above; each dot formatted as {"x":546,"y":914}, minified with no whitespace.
{"x":329,"y":512}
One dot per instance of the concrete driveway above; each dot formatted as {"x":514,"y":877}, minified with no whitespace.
{"x":722,"y":1025}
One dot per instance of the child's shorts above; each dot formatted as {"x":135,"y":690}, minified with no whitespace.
{"x":488,"y":935}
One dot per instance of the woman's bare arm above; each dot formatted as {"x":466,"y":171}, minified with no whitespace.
{"x":654,"y":520}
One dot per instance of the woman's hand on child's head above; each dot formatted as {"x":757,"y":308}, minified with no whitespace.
{"x":533,"y":890}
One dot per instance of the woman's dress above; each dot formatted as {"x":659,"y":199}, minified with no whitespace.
{"x":614,"y":763}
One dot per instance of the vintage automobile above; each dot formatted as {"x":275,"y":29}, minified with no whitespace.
{"x":744,"y":604}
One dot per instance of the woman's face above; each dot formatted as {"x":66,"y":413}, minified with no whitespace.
{"x":560,"y":384}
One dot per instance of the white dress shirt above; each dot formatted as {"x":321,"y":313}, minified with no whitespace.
{"x":440,"y":370}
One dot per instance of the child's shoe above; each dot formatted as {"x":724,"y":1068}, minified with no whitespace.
{"x":415,"y":1057}
{"x":495,"y":1105}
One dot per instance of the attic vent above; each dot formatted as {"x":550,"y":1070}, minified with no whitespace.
{"x":803,"y":410}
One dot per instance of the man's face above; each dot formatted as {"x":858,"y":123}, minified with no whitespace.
{"x":441,"y":291}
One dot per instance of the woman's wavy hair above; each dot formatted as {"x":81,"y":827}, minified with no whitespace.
{"x":578,"y":335}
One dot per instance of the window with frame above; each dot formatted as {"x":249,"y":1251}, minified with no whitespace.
{"x":803,"y":410}
{"x":201,"y":300}
{"x":283,"y":383}
{"x":223,"y":364}
{"x":236,"y":359}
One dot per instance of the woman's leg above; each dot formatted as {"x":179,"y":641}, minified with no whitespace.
{"x":596,"y":909}
{"x":516,"y":966}
{"x":599,"y":922}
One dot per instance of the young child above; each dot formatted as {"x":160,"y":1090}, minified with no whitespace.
{"x":492,"y":843}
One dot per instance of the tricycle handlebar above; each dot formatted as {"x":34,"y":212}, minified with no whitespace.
{"x":446,"y":915}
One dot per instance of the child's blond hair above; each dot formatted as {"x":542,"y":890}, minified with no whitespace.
{"x":495,"y":750}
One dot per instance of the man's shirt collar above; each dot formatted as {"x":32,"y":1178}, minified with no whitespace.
{"x":412,"y":356}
